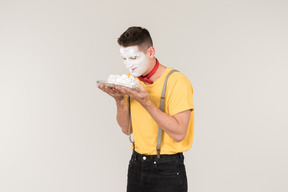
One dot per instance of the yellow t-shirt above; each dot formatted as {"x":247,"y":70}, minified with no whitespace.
{"x":178,"y":98}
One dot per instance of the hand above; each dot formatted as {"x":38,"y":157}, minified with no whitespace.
{"x":141,"y":95}
{"x":112,"y":91}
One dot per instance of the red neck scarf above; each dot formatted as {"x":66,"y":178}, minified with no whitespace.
{"x":146,"y":77}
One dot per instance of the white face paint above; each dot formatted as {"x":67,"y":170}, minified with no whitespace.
{"x":135,"y":61}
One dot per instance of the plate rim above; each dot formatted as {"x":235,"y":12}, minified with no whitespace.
{"x":103,"y":82}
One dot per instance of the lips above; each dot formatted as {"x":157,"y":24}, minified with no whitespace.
{"x":133,"y":69}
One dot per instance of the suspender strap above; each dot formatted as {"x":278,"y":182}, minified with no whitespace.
{"x":130,"y":124}
{"x":162,"y":102}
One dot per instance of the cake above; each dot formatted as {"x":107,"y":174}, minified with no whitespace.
{"x":123,"y":80}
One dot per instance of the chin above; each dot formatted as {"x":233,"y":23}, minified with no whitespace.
{"x":135,"y":74}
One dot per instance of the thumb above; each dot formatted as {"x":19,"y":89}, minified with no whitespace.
{"x":142,"y":88}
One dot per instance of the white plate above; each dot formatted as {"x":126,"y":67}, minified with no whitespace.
{"x":102,"y":82}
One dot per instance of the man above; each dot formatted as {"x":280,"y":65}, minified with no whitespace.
{"x":147,"y":171}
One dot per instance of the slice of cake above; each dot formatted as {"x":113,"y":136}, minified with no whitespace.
{"x":124,"y":80}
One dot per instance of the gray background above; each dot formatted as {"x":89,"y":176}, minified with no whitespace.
{"x":58,"y":132}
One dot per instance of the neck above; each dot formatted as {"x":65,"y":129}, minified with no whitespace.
{"x":161,"y":69}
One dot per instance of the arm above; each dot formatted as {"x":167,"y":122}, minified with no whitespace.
{"x":175,"y":126}
{"x":122,"y":107}
{"x":123,"y":115}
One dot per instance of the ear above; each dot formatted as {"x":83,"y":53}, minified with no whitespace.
{"x":151,"y":52}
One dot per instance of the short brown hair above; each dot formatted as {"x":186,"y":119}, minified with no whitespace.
{"x":136,"y":36}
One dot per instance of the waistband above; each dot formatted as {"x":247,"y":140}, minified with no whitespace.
{"x":139,"y":156}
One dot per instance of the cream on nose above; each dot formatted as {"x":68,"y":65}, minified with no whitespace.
{"x":128,"y":64}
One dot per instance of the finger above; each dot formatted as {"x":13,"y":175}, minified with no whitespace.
{"x":102,"y":88}
{"x":130,"y":92}
{"x":106,"y":89}
{"x":111,"y":93}
{"x":111,"y":90}
{"x":120,"y":90}
{"x":124,"y":90}
{"x":115,"y":90}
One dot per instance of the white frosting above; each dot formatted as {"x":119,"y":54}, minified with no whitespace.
{"x":135,"y":60}
{"x":123,"y":80}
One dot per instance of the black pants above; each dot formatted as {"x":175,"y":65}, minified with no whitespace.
{"x":146,"y":173}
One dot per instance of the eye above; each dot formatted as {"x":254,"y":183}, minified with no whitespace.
{"x":133,"y":58}
{"x":123,"y":58}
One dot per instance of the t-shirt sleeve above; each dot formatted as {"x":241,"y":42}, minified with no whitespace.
{"x":178,"y":94}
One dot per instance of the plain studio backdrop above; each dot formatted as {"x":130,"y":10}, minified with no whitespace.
{"x":58,"y":132}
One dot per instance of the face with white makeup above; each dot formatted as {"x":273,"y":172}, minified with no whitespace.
{"x":136,"y":61}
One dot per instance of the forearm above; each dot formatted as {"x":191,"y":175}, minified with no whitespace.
{"x":123,"y":115}
{"x":174,"y":128}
